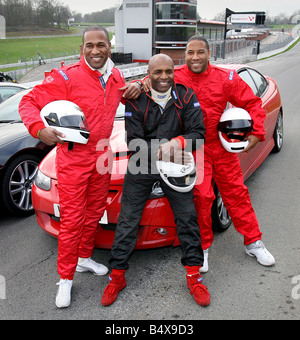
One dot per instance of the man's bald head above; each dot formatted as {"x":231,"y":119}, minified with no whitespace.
{"x":161,"y":72}
{"x":158,"y":58}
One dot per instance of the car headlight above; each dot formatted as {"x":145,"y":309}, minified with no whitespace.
{"x":157,"y":191}
{"x":42,"y":181}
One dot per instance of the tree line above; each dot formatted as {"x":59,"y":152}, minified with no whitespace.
{"x":105,"y":16}
{"x":47,"y":13}
{"x":42,"y":13}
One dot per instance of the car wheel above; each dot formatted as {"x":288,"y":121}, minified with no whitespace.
{"x":278,"y":133}
{"x":221,"y":220}
{"x":17,"y":184}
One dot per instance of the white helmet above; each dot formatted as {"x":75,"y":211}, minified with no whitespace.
{"x":179,"y":177}
{"x":67,"y":118}
{"x":234,"y":125}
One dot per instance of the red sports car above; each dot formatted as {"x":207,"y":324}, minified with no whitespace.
{"x":157,"y":227}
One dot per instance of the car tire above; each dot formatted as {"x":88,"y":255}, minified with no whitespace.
{"x":221,"y":220}
{"x":17,"y":183}
{"x":278,"y":133}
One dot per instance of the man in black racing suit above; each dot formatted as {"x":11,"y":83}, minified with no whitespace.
{"x":171,"y":116}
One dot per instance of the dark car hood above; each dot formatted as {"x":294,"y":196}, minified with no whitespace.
{"x":14,"y":138}
{"x":11,"y":131}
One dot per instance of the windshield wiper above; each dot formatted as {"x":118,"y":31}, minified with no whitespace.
{"x":10,"y":121}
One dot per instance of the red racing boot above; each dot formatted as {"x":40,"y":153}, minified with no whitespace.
{"x":197,"y":289}
{"x":117,"y":283}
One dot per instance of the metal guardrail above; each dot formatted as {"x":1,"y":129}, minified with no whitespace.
{"x":276,"y":45}
{"x":36,"y":62}
{"x":238,"y":51}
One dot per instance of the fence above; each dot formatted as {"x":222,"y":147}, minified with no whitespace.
{"x":238,"y":51}
{"x":25,"y":65}
{"x":281,"y":41}
{"x":234,"y":51}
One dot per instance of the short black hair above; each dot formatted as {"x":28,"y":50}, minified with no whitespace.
{"x":96,"y":28}
{"x":199,"y":38}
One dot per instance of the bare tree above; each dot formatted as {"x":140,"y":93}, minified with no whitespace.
{"x":42,"y":13}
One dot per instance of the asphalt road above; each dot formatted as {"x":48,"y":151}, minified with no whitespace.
{"x":240,"y":288}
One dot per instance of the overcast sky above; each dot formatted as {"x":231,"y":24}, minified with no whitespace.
{"x":206,"y":9}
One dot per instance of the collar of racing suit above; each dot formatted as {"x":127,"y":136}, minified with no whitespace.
{"x":101,"y":70}
{"x":105,"y":72}
{"x":173,"y":99}
{"x":161,"y":98}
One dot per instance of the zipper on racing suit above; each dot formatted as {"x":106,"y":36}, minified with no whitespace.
{"x":103,"y":83}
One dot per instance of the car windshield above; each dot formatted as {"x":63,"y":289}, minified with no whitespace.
{"x":9,"y":109}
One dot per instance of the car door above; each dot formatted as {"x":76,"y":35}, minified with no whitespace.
{"x":260,"y":87}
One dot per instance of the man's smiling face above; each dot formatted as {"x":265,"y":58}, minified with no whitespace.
{"x":161,"y":73}
{"x":197,"y":56}
{"x":96,"y":48}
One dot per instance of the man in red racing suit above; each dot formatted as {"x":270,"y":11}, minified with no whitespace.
{"x":215,"y":87}
{"x":97,"y":88}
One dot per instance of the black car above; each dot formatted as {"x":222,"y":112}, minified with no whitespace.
{"x":9,"y":89}
{"x":20,"y":155}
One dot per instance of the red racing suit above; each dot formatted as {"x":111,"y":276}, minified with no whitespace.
{"x":82,"y":188}
{"x":214,"y":89}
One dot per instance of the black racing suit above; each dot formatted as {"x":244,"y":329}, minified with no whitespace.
{"x":144,"y":120}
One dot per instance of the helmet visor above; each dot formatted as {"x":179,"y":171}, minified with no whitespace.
{"x":236,"y":130}
{"x":74,"y":122}
{"x":77,"y":122}
{"x":184,"y":181}
{"x":236,"y":125}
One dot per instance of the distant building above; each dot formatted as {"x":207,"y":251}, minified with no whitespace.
{"x":134,"y":28}
{"x":2,"y":27}
{"x":148,"y":27}
{"x":212,"y":30}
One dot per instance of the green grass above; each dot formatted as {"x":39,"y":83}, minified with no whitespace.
{"x":278,"y":27}
{"x":13,"y":50}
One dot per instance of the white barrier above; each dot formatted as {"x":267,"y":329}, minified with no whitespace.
{"x":2,"y":288}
